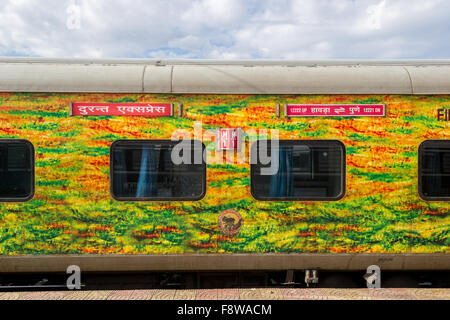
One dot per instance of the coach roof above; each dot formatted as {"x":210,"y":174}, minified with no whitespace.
{"x":225,"y":77}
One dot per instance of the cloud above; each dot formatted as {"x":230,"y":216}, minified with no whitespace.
{"x":226,"y":29}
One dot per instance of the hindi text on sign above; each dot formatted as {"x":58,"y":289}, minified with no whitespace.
{"x":343,"y":110}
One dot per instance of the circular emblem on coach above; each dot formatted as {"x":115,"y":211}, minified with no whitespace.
{"x":230,"y":221}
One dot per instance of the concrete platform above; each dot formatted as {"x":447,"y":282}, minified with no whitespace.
{"x":236,"y":294}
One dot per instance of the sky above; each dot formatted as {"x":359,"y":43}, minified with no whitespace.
{"x":226,"y":29}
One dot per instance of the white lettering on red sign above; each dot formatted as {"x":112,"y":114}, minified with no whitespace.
{"x":343,"y":110}
{"x":121,"y":109}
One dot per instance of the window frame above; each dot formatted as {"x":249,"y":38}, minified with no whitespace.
{"x":309,"y":143}
{"x":422,"y":145}
{"x":153,"y":199}
{"x":32,"y":169}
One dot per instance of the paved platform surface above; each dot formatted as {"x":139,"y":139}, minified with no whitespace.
{"x":236,"y":294}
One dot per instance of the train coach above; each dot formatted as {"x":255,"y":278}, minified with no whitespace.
{"x":155,"y":165}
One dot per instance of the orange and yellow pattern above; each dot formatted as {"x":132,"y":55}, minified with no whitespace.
{"x":72,"y":211}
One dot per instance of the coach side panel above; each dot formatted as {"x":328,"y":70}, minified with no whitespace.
{"x":72,"y":211}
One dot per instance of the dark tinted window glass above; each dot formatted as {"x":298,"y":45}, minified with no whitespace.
{"x":145,"y":170}
{"x":306,"y":170}
{"x":16,"y":170}
{"x":434,"y":170}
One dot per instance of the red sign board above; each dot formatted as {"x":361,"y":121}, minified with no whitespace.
{"x":330,"y":110}
{"x":121,"y":109}
{"x":229,"y":139}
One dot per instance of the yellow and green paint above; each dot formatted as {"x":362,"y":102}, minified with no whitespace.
{"x":72,"y":211}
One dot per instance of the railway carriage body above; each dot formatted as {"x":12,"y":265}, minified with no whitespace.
{"x":102,"y":191}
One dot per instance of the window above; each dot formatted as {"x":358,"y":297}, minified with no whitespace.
{"x":151,"y":170}
{"x":16,"y":170}
{"x":434,"y":170}
{"x":304,"y":170}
